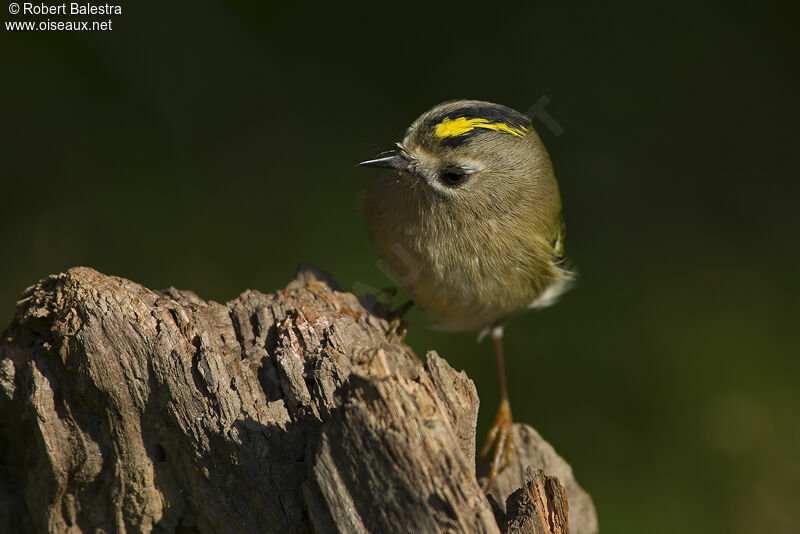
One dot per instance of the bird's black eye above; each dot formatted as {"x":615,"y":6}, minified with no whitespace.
{"x":452,"y":177}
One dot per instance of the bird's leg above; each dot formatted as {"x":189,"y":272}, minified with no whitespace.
{"x":500,"y":435}
{"x":385,"y":296}
{"x":400,"y":311}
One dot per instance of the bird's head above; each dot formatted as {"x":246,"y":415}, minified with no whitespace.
{"x":468,"y":150}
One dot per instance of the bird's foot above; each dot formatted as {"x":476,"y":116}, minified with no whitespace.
{"x":501,"y":438}
{"x":397,"y":325}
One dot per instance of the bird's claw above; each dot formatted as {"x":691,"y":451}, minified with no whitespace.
{"x":397,"y":325}
{"x":501,"y":437}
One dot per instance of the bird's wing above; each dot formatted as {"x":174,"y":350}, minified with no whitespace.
{"x":557,"y":243}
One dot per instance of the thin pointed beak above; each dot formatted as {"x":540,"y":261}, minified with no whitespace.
{"x":394,"y":161}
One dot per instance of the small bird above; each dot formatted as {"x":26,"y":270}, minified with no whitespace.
{"x":467,"y":217}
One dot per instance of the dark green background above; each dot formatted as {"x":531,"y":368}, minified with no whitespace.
{"x":210,"y":145}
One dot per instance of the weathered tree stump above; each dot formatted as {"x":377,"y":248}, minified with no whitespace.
{"x":129,"y":410}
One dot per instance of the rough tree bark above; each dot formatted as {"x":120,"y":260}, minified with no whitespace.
{"x":129,"y":410}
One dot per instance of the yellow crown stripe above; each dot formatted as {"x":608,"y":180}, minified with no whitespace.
{"x":462,"y":125}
